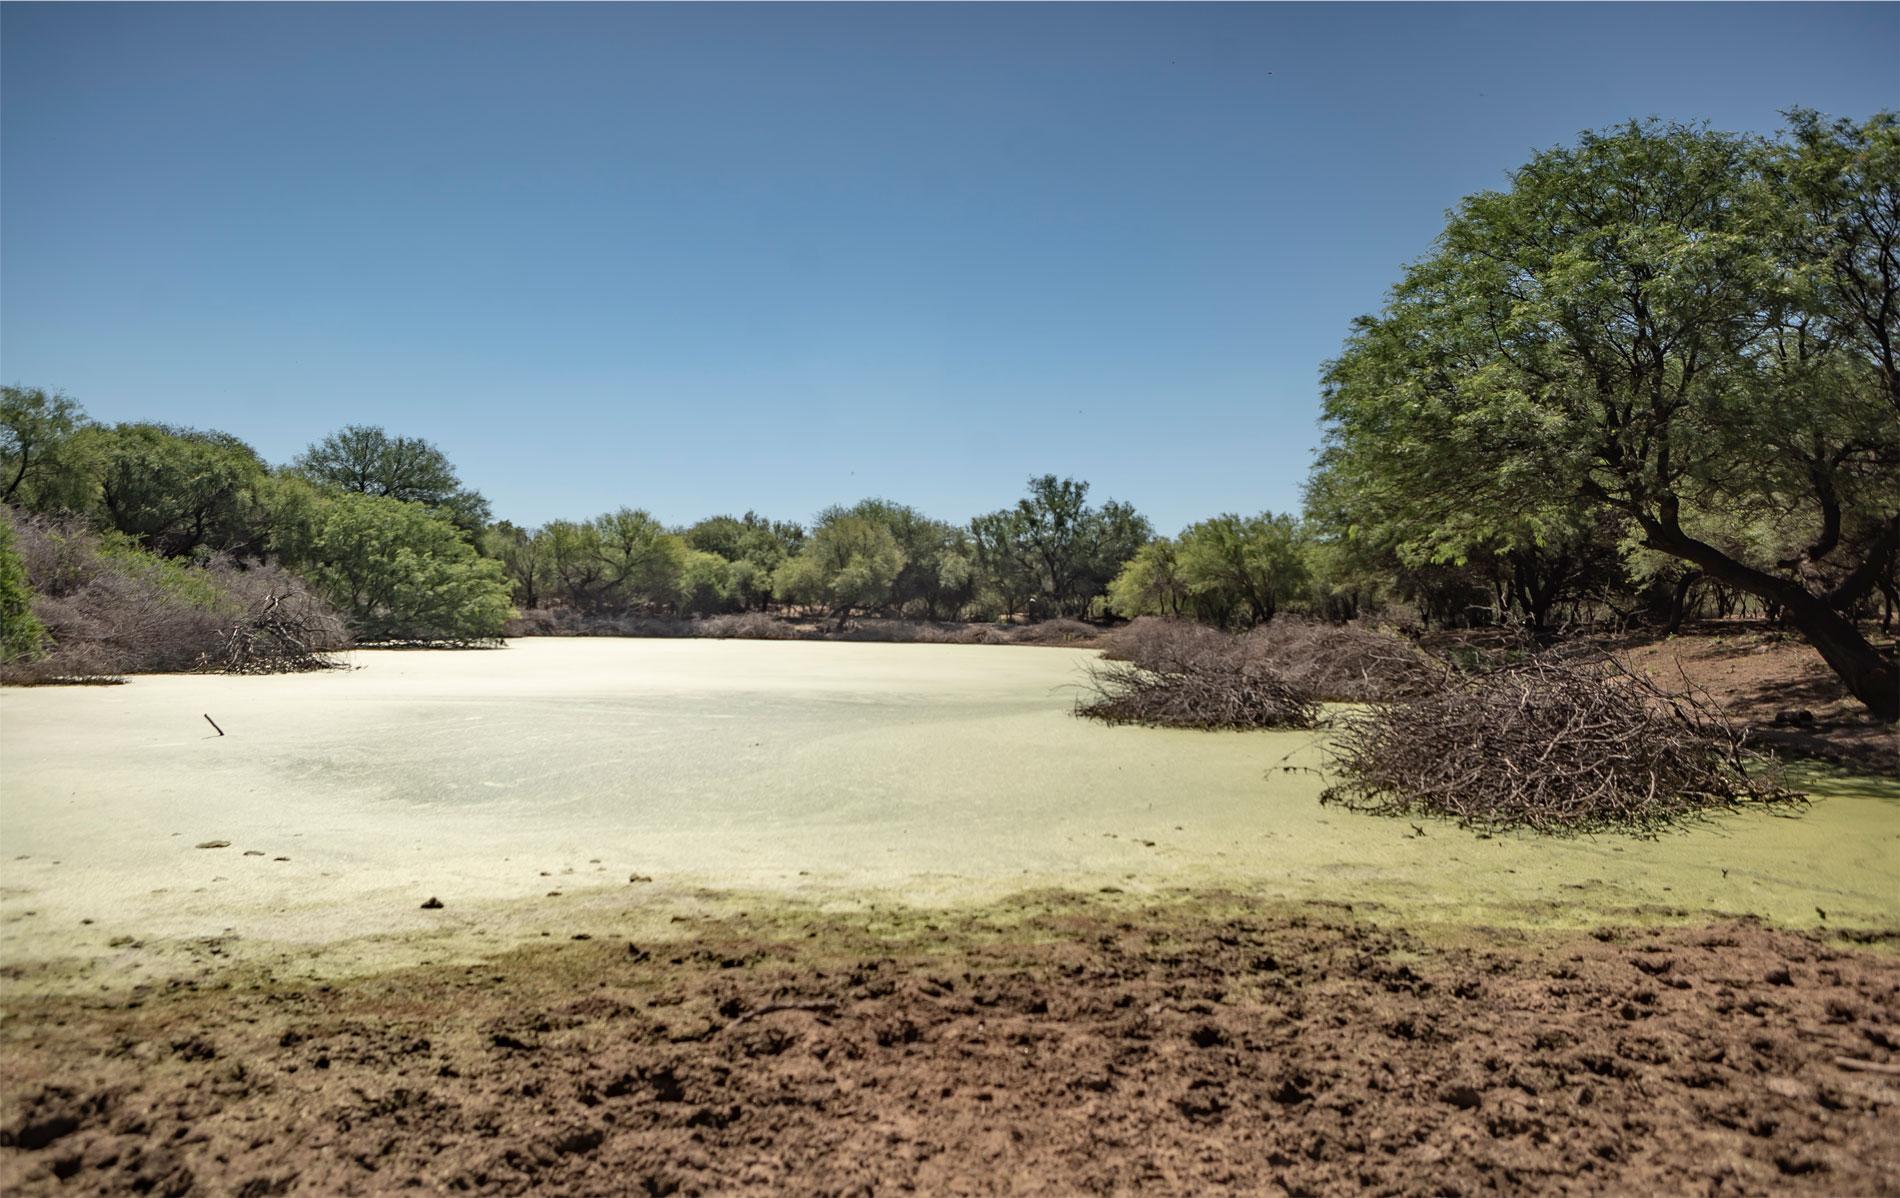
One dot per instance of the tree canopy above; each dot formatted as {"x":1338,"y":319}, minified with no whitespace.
{"x":1054,"y":554}
{"x":401,"y":571}
{"x":38,"y":468}
{"x":1684,"y":332}
{"x":850,"y":564}
{"x":366,"y":459}
{"x":177,"y":491}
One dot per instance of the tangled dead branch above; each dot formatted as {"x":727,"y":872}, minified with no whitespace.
{"x":1553,"y":745}
{"x":285,"y":632}
{"x":1195,"y":677}
{"x":1348,"y":663}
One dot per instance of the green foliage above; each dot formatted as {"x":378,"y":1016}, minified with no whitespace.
{"x":1053,"y":554}
{"x":644,"y":565}
{"x":402,"y":572}
{"x":39,"y":469}
{"x":753,"y":548}
{"x":938,"y":577}
{"x":705,"y":584}
{"x":1243,"y":569}
{"x":1662,"y":330}
{"x":1150,"y":584}
{"x":1228,"y":570}
{"x":1008,"y":577}
{"x":365,"y":459}
{"x":178,"y":492}
{"x":1615,"y":332}
{"x":22,"y":636}
{"x":850,"y":564}
{"x":620,"y":563}
{"x":523,"y":558}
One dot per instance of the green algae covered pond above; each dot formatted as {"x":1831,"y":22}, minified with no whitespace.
{"x":818,"y":772}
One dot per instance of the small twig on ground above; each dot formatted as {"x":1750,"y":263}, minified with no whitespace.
{"x":214,"y":724}
{"x":1856,"y":1065}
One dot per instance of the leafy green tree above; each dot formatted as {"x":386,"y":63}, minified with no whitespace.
{"x":21,"y":634}
{"x":848,"y":565}
{"x":39,"y":470}
{"x":365,"y":459}
{"x":523,"y":558}
{"x":645,"y":566}
{"x":1006,"y":573}
{"x":615,"y":564}
{"x":706,"y":585}
{"x":399,"y":571}
{"x":1242,"y":569}
{"x":179,"y":492}
{"x":577,"y":570}
{"x":754,"y":546}
{"x":1843,"y":180}
{"x":938,"y":577}
{"x":1116,"y":533}
{"x":1150,"y":584}
{"x":1071,"y":551}
{"x":1647,"y":328}
{"x":1346,"y":580}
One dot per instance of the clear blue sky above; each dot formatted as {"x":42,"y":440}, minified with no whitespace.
{"x":707,"y":258}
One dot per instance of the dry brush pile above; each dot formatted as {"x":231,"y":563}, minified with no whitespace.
{"x":1173,"y":674}
{"x":1552,"y":744}
{"x":1348,"y":663}
{"x":285,"y":631}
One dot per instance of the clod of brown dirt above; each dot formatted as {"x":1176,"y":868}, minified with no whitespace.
{"x":1053,"y":1047}
{"x":214,"y":844}
{"x":433,"y":904}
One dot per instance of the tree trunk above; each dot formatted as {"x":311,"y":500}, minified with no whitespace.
{"x":1869,"y":675}
{"x":1679,"y":602}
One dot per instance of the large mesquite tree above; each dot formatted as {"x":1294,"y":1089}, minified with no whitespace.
{"x":1689,"y":333}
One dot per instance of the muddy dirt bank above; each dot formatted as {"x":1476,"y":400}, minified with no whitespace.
{"x":1051,"y":1045}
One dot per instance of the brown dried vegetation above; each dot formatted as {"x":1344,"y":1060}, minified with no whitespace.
{"x":111,"y":609}
{"x":1552,"y":744}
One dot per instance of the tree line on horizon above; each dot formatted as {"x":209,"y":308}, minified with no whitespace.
{"x":1658,"y":374}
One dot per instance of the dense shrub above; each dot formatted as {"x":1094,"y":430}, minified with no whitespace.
{"x":1551,"y":745}
{"x":109,"y":608}
{"x":565,"y":621}
{"x":402,"y":572}
{"x":21,"y":633}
